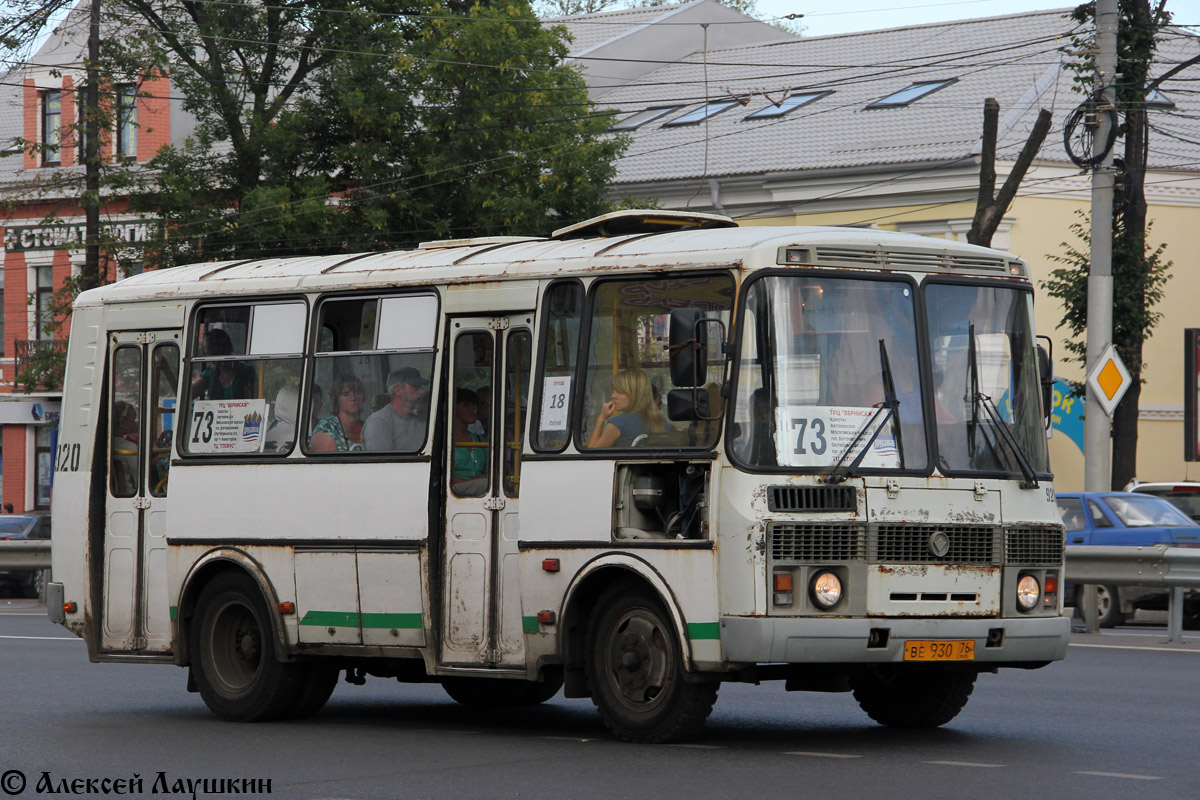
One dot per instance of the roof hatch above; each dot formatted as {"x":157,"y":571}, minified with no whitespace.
{"x":630,"y":221}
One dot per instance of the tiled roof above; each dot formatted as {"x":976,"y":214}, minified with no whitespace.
{"x":1017,"y":59}
{"x":589,"y":30}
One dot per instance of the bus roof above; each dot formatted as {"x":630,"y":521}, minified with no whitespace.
{"x":507,"y":258}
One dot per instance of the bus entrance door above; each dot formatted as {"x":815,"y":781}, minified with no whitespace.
{"x":143,"y":382}
{"x":489,"y":389}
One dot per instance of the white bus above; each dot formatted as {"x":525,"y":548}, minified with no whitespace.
{"x":650,"y":453}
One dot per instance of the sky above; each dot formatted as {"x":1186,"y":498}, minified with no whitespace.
{"x":845,"y":16}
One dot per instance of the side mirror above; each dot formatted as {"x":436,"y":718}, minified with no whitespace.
{"x":1046,"y":378}
{"x":688,"y":347}
{"x":687,"y":405}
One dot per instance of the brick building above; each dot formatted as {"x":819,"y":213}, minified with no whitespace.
{"x":42,"y":230}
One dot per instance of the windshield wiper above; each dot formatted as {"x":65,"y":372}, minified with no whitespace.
{"x":978,"y":399}
{"x":889,"y":405}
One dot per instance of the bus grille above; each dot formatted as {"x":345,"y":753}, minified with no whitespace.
{"x":911,"y":544}
{"x":1033,"y":545}
{"x":811,"y":498}
{"x":806,"y":542}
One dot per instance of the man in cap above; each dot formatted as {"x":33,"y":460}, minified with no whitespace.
{"x":397,"y":426}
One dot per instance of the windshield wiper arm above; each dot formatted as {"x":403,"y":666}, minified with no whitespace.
{"x":889,"y":405}
{"x":1027,"y":472}
{"x":973,"y":372}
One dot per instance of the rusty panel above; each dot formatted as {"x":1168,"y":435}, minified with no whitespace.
{"x":930,"y":590}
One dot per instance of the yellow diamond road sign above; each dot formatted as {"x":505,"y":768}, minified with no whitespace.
{"x":1109,"y":379}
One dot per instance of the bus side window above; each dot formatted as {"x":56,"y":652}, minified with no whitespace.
{"x":559,"y":353}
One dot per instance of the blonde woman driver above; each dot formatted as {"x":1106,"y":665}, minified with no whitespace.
{"x":630,"y":413}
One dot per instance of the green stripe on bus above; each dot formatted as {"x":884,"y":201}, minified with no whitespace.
{"x":335,"y":619}
{"x":704,"y":630}
{"x":174,"y":613}
{"x":406,"y":621}
{"x":529,"y":625}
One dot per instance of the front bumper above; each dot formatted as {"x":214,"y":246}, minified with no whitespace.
{"x":774,"y":640}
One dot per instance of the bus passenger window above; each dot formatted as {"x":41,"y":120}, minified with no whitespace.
{"x":373,"y":363}
{"x":245,"y":373}
{"x":560,"y":351}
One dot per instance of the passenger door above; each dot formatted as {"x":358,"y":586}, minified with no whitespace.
{"x":481,"y":619}
{"x":143,"y":381}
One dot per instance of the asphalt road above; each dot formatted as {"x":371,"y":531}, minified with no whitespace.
{"x":1117,"y":719}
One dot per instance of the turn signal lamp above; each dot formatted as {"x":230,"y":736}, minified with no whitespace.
{"x":781,"y":583}
{"x":69,"y":607}
{"x":287,"y":608}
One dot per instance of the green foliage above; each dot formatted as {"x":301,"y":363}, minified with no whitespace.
{"x":1139,"y":280}
{"x":409,"y":123}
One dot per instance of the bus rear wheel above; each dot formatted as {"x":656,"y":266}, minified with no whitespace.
{"x":634,"y":667}
{"x":908,"y":698}
{"x":233,"y":656}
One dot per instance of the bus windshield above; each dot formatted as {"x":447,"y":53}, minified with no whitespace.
{"x":829,"y":377}
{"x":982,"y":396}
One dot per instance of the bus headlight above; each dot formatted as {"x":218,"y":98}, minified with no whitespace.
{"x":826,"y":589}
{"x":1028,"y":592}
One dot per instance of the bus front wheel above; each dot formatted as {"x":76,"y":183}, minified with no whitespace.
{"x":908,"y":698}
{"x":634,"y":668}
{"x":233,"y":654}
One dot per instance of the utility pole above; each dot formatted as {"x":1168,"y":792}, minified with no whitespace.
{"x":1097,"y":431}
{"x":91,"y":127}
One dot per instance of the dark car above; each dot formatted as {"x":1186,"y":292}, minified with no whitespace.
{"x":20,"y":526}
{"x":1126,"y":518}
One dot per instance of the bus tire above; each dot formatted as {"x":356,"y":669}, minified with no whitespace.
{"x":232,"y":645}
{"x":316,"y":687}
{"x":909,"y":698}
{"x":634,"y":666}
{"x":500,"y":693}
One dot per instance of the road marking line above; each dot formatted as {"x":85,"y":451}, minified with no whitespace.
{"x":46,"y":638}
{"x":964,"y":764}
{"x":698,"y":746}
{"x":1134,"y":647}
{"x":815,"y":754}
{"x":1122,"y":775}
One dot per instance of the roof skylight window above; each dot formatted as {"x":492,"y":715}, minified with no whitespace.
{"x":640,"y":118}
{"x":702,"y":113}
{"x":911,"y":93}
{"x":789,"y":103}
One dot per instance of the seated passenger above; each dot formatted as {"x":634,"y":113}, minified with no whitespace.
{"x":341,"y":431}
{"x":125,"y":447}
{"x":399,"y":425}
{"x":470,"y":463}
{"x":223,"y":380}
{"x":281,"y":431}
{"x":629,"y":414}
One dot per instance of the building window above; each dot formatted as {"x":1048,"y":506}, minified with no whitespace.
{"x":911,"y":93}
{"x":51,"y":126}
{"x":41,"y":441}
{"x":637,"y":120}
{"x":127,"y":121}
{"x":787,"y":105}
{"x":702,"y":113}
{"x":44,"y":292}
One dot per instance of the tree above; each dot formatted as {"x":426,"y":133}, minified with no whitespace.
{"x":990,"y":207}
{"x":1139,"y":270}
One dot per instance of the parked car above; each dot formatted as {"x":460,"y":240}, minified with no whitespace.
{"x":25,"y":526}
{"x":1184,"y":495}
{"x":1127,"y":518}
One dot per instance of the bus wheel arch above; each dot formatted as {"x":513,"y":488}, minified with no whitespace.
{"x":207,"y":568}
{"x":581,"y":603}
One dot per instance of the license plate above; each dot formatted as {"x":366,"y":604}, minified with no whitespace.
{"x":939,"y":650}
